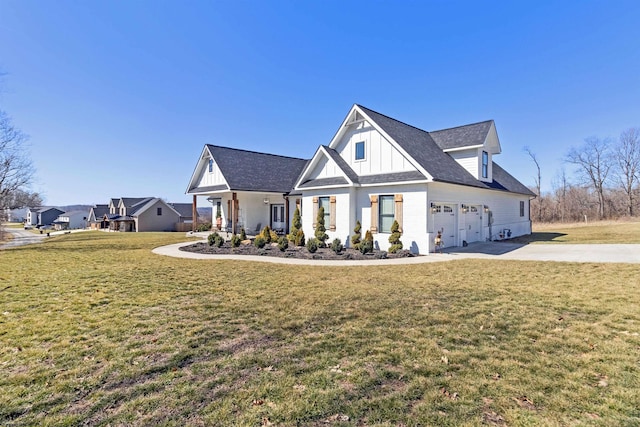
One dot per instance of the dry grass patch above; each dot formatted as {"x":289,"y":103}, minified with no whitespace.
{"x":97,"y":330}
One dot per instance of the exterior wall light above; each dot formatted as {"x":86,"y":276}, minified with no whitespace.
{"x":465,"y":208}
{"x":433,"y":208}
{"x":486,"y":209}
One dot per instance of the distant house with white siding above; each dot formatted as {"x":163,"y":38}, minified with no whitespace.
{"x":374,"y":170}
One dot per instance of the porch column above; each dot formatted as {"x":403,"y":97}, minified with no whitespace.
{"x":234,"y":214}
{"x":286,"y":215}
{"x":194,"y":213}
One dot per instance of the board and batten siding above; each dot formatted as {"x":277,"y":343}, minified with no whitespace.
{"x":207,"y":178}
{"x":380,"y":155}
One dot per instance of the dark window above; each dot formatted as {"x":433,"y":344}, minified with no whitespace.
{"x":360,"y":150}
{"x":159,"y":211}
{"x":387,"y":211}
{"x":521,"y":208}
{"x":210,"y":165}
{"x":485,"y":164}
{"x":323,"y":202}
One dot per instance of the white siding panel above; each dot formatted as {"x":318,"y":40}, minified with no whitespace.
{"x":468,"y":159}
{"x":214,"y":177}
{"x":380,"y":155}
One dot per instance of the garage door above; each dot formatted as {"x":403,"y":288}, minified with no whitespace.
{"x":473,"y":220}
{"x":444,"y":219}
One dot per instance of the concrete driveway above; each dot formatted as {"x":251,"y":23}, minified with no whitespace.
{"x":624,"y":253}
{"x":21,"y":237}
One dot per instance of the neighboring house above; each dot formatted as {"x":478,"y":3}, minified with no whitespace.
{"x":42,"y":216}
{"x":71,"y":220}
{"x":96,"y":218}
{"x":142,"y":214}
{"x":375,"y":170}
{"x":185,"y":210}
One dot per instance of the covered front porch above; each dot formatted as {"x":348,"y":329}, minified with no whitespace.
{"x":234,"y":210}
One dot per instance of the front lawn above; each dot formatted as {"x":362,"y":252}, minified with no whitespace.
{"x":95,"y":329}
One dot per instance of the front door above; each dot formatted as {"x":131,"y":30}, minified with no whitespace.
{"x":277,"y":218}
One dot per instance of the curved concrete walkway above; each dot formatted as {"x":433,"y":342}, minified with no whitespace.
{"x":491,"y":250}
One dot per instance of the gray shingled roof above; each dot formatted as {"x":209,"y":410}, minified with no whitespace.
{"x":338,"y":180}
{"x":421,"y":147}
{"x":462,"y":136}
{"x":184,"y":209}
{"x":342,"y":163}
{"x":392,"y":177}
{"x":253,"y":171}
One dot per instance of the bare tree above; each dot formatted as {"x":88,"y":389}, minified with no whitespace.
{"x":538,"y":181}
{"x":593,"y":162}
{"x":16,"y":169}
{"x":627,"y":157}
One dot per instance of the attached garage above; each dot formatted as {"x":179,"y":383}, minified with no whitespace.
{"x":444,"y":220}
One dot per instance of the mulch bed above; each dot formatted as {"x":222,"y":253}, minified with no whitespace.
{"x":291,"y":252}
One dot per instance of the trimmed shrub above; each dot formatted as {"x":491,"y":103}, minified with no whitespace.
{"x":394,"y":239}
{"x":355,"y":239}
{"x":235,"y":241}
{"x":259,"y":242}
{"x":336,"y":246}
{"x":205,"y":226}
{"x":300,"y":238}
{"x":296,"y":225}
{"x":283,"y":243}
{"x":243,"y":234}
{"x":312,"y":245}
{"x":215,"y":239}
{"x":266,"y":234}
{"x":320,"y":234}
{"x":274,"y":236}
{"x":366,"y":246}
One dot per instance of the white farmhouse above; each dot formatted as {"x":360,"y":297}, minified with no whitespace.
{"x":375,"y":170}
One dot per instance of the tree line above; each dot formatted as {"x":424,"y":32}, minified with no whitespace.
{"x":605,"y":185}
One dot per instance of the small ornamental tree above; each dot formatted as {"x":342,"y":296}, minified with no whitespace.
{"x":296,"y":225}
{"x":321,"y":236}
{"x":366,"y":245}
{"x":266,"y":234}
{"x":243,"y":234}
{"x":394,"y":239}
{"x":312,"y":245}
{"x":299,"y":241}
{"x":355,"y":239}
{"x":336,"y":246}
{"x":259,"y":242}
{"x":283,"y":243}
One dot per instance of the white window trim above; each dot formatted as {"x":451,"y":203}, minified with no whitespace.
{"x":355,"y":150}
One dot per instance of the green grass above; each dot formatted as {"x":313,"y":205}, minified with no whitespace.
{"x":592,"y":233}
{"x":97,"y":330}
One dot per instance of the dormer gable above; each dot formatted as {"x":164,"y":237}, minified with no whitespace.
{"x":472,"y":147}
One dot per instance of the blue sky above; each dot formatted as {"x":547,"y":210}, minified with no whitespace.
{"x":119,"y":97}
